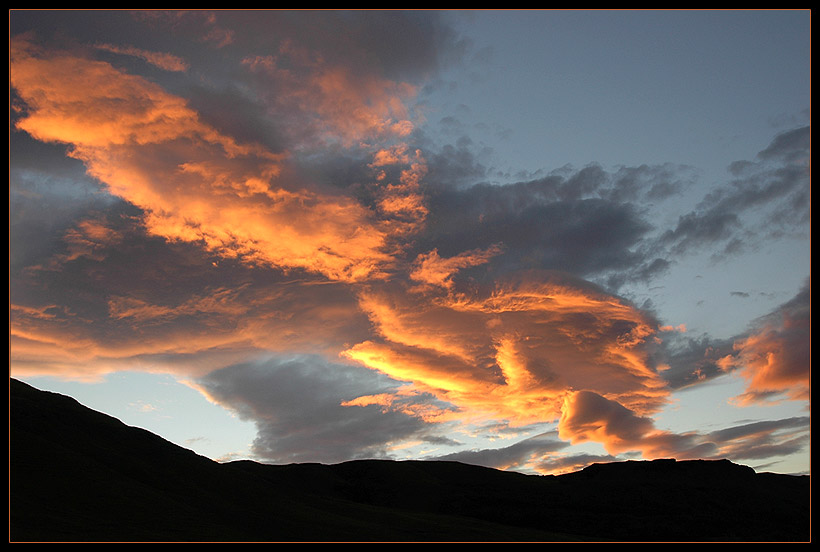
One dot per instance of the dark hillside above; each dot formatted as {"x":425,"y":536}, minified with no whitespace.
{"x":79,"y":475}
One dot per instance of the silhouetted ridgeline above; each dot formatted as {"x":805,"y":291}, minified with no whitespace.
{"x":79,"y":475}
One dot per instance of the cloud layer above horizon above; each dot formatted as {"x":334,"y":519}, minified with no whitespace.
{"x":270,"y":218}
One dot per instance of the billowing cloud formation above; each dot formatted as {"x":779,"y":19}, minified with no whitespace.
{"x":588,"y":416}
{"x":313,"y":260}
{"x":515,"y":350}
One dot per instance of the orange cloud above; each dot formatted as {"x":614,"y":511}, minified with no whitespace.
{"x":189,"y":337}
{"x":397,"y":154}
{"x":193,"y":183}
{"x":588,"y":416}
{"x":90,"y":104}
{"x":220,"y":301}
{"x":401,"y":204}
{"x":402,"y":401}
{"x":776,"y":360}
{"x":342,"y":105}
{"x":434,"y":270}
{"x":361,"y":106}
{"x":88,"y":238}
{"x":514,"y":352}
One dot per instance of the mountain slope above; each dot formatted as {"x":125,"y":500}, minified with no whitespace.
{"x":79,"y":475}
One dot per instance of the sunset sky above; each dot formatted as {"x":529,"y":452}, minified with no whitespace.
{"x":529,"y":240}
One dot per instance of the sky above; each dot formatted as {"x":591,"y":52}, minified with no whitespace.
{"x":529,"y":240}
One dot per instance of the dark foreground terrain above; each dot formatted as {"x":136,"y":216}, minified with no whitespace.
{"x":79,"y":475}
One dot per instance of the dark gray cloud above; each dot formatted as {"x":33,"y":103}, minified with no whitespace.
{"x":607,"y":224}
{"x":456,"y":165}
{"x":694,"y":360}
{"x":247,"y":119}
{"x":756,"y":428}
{"x":775,"y":189}
{"x":791,"y":146}
{"x":296,"y":403}
{"x":648,"y":183}
{"x":398,"y":44}
{"x":696,"y":230}
{"x":582,"y":236}
{"x":42,"y":207}
{"x":589,"y":222}
{"x":522,"y":455}
{"x":764,"y":439}
{"x":572,"y":463}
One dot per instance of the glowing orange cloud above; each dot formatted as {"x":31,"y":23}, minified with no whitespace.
{"x":198,"y":185}
{"x":194,"y":183}
{"x":396,"y":154}
{"x":516,"y":352}
{"x":775,"y":361}
{"x":189,"y":337}
{"x":434,"y":270}
{"x":401,"y":204}
{"x":587,"y":416}
{"x":397,"y":401}
{"x":91,"y":104}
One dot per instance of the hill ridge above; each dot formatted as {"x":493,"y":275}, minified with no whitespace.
{"x":79,"y":475}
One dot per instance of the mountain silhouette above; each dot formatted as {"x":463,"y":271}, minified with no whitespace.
{"x":81,"y":476}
